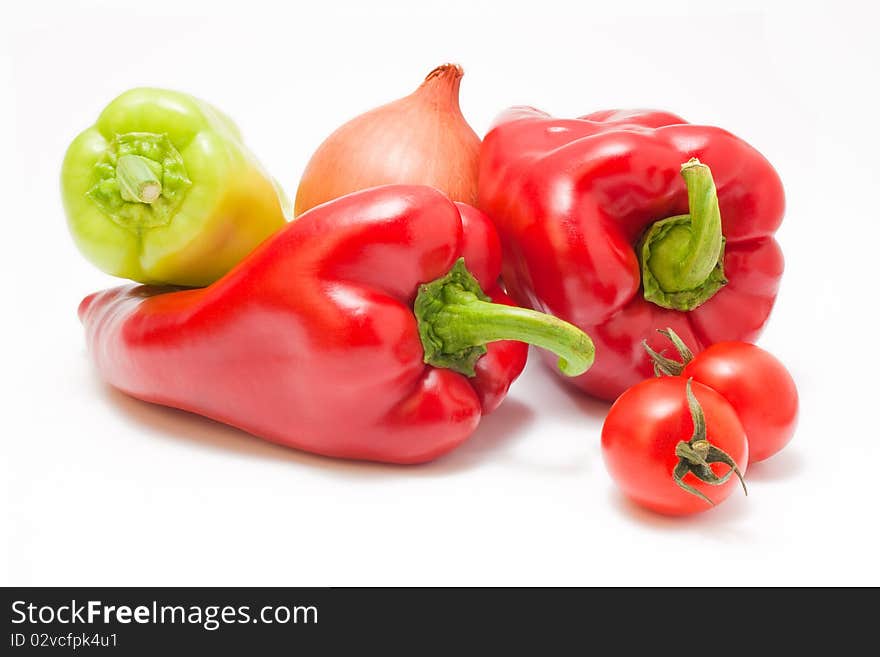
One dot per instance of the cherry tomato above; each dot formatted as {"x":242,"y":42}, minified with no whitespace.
{"x":660,"y":456}
{"x":759,"y":388}
{"x":755,"y":383}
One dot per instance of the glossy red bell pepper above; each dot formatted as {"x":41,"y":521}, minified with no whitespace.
{"x":356,"y":331}
{"x":625,"y":222}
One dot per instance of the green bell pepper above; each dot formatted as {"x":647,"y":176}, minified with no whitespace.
{"x":162,"y":190}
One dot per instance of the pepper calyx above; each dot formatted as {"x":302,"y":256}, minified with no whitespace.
{"x":430,"y":304}
{"x":456,"y":320}
{"x":141,"y":181}
{"x":682,"y":257}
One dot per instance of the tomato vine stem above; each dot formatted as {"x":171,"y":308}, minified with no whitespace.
{"x":695,"y":456}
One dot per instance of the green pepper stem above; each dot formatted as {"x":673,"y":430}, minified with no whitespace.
{"x":686,"y":255}
{"x":682,"y":256}
{"x":127,"y":184}
{"x":456,"y":321}
{"x":469,"y":322}
{"x":137,"y":182}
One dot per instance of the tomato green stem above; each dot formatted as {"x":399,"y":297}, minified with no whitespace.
{"x":682,"y":256}
{"x":668,"y":366}
{"x":137,"y":182}
{"x":456,"y":320}
{"x":696,"y":455}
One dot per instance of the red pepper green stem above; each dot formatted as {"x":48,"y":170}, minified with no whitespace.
{"x":456,"y":320}
{"x":682,"y":256}
{"x":137,"y":182}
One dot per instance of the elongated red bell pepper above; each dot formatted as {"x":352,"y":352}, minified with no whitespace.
{"x":625,"y":222}
{"x":357,"y":331}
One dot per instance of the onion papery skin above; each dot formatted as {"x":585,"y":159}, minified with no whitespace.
{"x":421,"y":139}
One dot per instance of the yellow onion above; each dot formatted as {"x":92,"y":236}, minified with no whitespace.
{"x":420,"y":139}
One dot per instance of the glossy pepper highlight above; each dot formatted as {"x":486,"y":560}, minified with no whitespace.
{"x":162,"y":190}
{"x":625,"y":222}
{"x":365,"y":329}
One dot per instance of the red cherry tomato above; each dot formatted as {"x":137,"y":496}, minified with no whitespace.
{"x":642,"y":446}
{"x":755,"y":383}
{"x":759,"y":388}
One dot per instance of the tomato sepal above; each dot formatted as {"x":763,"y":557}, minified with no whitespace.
{"x":668,"y":366}
{"x":696,"y":455}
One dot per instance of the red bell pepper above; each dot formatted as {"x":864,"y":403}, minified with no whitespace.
{"x":356,"y":331}
{"x":607,"y":222}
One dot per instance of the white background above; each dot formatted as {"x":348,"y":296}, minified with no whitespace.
{"x":105,"y":490}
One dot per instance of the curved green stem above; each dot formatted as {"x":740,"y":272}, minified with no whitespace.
{"x":689,"y":251}
{"x":682,"y":256}
{"x":137,"y":182}
{"x":456,"y":320}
